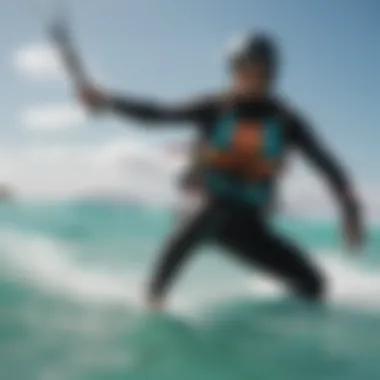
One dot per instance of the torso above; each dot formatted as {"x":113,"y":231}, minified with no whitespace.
{"x":244,"y":148}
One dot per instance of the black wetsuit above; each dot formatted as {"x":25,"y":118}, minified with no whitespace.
{"x":234,"y":223}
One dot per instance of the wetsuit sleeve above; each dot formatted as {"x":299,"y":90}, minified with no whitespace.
{"x":310,"y":145}
{"x":200,"y":110}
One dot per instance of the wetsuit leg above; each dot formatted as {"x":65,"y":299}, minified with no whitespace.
{"x":189,"y":236}
{"x":248,"y":237}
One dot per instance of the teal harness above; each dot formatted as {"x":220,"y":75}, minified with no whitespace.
{"x":252,"y":192}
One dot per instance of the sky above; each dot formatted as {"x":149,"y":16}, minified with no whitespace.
{"x":172,"y":50}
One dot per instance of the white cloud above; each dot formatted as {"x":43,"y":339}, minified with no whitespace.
{"x":124,"y":167}
{"x":43,"y":62}
{"x":39,"y":61}
{"x":53,"y":117}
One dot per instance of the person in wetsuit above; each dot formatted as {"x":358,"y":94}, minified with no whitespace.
{"x":246,"y":135}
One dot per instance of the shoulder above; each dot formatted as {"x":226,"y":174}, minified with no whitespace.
{"x":290,"y":114}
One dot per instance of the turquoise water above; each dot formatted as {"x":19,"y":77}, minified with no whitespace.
{"x":72,"y":277}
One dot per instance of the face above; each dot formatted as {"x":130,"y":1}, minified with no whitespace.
{"x":250,"y":78}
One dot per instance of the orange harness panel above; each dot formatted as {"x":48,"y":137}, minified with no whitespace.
{"x":245,"y":157}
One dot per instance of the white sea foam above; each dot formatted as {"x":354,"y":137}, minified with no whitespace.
{"x":51,"y":266}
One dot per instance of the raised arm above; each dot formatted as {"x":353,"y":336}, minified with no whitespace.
{"x":198,"y":110}
{"x":192,"y":111}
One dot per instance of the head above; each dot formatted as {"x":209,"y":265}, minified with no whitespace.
{"x":253,"y":65}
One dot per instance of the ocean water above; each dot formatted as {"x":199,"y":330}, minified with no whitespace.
{"x":72,"y":278}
